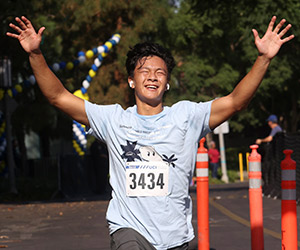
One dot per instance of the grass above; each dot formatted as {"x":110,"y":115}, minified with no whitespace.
{"x":233,"y":176}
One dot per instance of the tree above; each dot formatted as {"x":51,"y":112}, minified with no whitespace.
{"x":73,"y":26}
{"x":213,"y":41}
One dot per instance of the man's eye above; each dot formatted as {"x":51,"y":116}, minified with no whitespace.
{"x":161,"y":73}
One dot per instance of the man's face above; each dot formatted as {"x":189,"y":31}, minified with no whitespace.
{"x":270,"y":124}
{"x":150,"y":79}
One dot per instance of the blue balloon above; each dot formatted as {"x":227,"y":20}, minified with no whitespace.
{"x":94,"y":67}
{"x":88,"y":78}
{"x":113,"y":42}
{"x":62,"y":65}
{"x":82,"y":131}
{"x":81,"y":53}
{"x":76,"y":123}
{"x":105,"y":48}
{"x":100,"y":58}
{"x":83,"y":90}
{"x":14,"y":91}
{"x":95,"y":50}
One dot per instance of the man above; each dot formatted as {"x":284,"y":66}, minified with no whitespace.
{"x":275,"y":128}
{"x":152,"y":148}
{"x":214,"y":156}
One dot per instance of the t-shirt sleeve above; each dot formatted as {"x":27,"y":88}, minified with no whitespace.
{"x":200,"y":116}
{"x":99,"y":117}
{"x":198,"y":120}
{"x":275,"y":130}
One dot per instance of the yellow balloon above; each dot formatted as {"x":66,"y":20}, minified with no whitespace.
{"x":92,"y":73}
{"x":89,"y":54}
{"x":103,"y":54}
{"x":70,"y":65}
{"x":108,"y":45}
{"x":18,"y":88}
{"x":79,"y":94}
{"x":9,"y":92}
{"x":118,"y":35}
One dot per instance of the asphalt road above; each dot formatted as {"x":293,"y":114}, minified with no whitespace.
{"x":80,"y":225}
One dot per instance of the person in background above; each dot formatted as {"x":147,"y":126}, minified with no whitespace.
{"x":214,"y":156}
{"x":275,"y":128}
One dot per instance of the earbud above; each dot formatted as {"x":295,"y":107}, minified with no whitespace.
{"x":131,"y":84}
{"x":168,"y":86}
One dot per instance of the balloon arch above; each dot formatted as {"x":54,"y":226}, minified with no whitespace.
{"x":79,"y":133}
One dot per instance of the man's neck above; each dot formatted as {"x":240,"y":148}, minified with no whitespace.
{"x":146,"y":109}
{"x":274,"y":125}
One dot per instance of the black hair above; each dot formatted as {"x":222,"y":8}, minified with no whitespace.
{"x":144,"y":50}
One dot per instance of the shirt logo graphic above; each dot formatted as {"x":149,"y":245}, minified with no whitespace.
{"x":145,"y":153}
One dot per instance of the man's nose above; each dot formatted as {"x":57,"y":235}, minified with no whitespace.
{"x":152,"y":77}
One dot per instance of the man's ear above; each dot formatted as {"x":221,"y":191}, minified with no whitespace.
{"x":131,"y":83}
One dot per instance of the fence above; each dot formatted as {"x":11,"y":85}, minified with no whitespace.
{"x":272,"y":155}
{"x":70,"y":176}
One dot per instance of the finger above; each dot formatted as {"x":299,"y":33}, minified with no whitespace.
{"x":41,"y":30}
{"x":27,"y":22}
{"x":288,"y":39}
{"x":281,"y":34}
{"x":271,"y":24}
{"x":21,"y":24}
{"x":12,"y":35}
{"x":278,"y":27}
{"x":16,"y":28}
{"x":255,"y":34}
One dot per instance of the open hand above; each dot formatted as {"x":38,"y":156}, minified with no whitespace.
{"x":271,"y":42}
{"x":258,"y":141}
{"x":27,"y":36}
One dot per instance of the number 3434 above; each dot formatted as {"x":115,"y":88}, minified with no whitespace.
{"x":146,"y":180}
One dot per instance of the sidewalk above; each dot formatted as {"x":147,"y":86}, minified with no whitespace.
{"x":81,"y":225}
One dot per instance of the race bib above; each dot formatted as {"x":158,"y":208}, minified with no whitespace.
{"x":147,"y":178}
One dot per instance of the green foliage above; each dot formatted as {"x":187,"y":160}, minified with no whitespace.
{"x":73,"y":26}
{"x":210,"y":40}
{"x":233,"y":176}
{"x":214,"y":44}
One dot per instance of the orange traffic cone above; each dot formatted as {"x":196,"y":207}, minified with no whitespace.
{"x":255,"y":200}
{"x":202,"y":197}
{"x":288,"y":203}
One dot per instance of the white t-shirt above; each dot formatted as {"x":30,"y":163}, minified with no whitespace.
{"x":152,"y":159}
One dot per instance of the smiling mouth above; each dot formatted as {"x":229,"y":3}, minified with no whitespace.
{"x":151,"y":87}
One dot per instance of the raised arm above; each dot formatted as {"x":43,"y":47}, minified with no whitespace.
{"x":49,"y":84}
{"x":267,"y":46}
